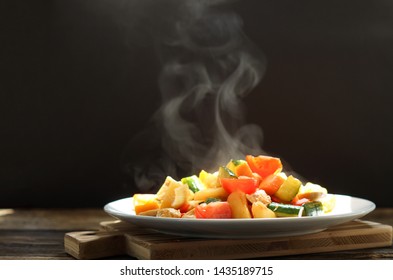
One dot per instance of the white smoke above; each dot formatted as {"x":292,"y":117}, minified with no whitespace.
{"x":208,"y":67}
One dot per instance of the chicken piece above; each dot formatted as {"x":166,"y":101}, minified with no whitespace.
{"x":168,"y":213}
{"x":190,"y":214}
{"x":259,"y":195}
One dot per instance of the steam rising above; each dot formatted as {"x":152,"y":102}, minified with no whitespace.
{"x":208,"y":67}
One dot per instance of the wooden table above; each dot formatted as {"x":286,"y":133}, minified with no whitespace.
{"x":39,"y":234}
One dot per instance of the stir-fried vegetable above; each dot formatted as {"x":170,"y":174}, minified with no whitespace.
{"x":193,"y":183}
{"x":240,"y":168}
{"x":264,"y":165}
{"x":288,"y":190}
{"x":254,"y":187}
{"x":213,"y":210}
{"x":272,"y":183}
{"x":238,"y":203}
{"x":244,"y":184}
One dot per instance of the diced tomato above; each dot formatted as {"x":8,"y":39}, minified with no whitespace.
{"x":184,"y":208}
{"x":244,"y":184}
{"x":271,"y":183}
{"x":275,"y":199}
{"x":213,"y":210}
{"x":299,"y":201}
{"x":264,"y":165}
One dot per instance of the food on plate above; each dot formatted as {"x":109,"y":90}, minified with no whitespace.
{"x":252,"y":188}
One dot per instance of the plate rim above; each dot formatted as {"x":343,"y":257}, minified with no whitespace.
{"x":109,"y":209}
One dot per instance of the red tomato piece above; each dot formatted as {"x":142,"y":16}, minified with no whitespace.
{"x":184,"y":208}
{"x":264,"y":165}
{"x":275,"y":199}
{"x":244,"y":184}
{"x":271,"y":183}
{"x":213,"y":210}
{"x":299,"y":201}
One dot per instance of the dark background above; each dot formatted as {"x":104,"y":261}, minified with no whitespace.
{"x":79,"y":80}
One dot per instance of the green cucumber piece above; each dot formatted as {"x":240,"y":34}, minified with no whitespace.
{"x":225,"y":172}
{"x":286,"y":210}
{"x":313,"y":208}
{"x":237,"y":162}
{"x":288,"y":189}
{"x":212,"y":199}
{"x":193,"y":183}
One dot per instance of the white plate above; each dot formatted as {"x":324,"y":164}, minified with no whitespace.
{"x":347,"y":209}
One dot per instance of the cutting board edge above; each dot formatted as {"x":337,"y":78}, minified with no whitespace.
{"x":136,"y":246}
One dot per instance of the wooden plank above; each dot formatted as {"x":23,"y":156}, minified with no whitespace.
{"x":145,"y":244}
{"x":36,"y":244}
{"x":95,"y":245}
{"x":52,"y":219}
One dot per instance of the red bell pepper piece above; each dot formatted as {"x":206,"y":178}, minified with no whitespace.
{"x":264,"y":165}
{"x":244,"y":184}
{"x":271,"y":183}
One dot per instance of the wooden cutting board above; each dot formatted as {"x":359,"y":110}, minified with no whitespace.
{"x":119,"y":238}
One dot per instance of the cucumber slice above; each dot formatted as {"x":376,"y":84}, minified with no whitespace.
{"x":225,"y":172}
{"x":193,"y":183}
{"x":288,"y":189}
{"x":286,"y":210}
{"x":313,"y":208}
{"x":238,"y":162}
